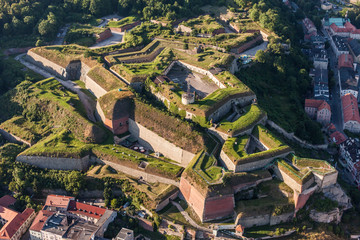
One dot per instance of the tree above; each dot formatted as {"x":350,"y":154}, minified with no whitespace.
{"x":115,"y":203}
{"x":74,"y":182}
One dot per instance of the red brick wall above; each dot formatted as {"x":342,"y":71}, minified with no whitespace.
{"x":219,"y":207}
{"x":104,"y":35}
{"x":185,"y":188}
{"x":248,"y":45}
{"x":126,"y":27}
{"x":301,"y":199}
{"x":218,"y":31}
{"x":114,"y":125}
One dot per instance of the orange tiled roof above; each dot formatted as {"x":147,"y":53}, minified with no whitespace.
{"x":58,"y":201}
{"x":7,"y":200}
{"x":345,"y":60}
{"x":11,"y":227}
{"x":338,"y":136}
{"x":40,"y":220}
{"x":350,"y":108}
{"x":85,"y":209}
{"x":318,"y":104}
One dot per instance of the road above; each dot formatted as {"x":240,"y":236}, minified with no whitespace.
{"x":88,"y":103}
{"x":335,"y":102}
{"x":61,"y":35}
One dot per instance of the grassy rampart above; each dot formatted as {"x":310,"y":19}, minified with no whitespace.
{"x":105,"y":79}
{"x":252,"y":116}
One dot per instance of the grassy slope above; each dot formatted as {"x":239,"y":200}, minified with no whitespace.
{"x":105,"y":79}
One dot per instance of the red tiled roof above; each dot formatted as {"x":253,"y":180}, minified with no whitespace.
{"x":239,"y":228}
{"x":7,"y":200}
{"x":318,"y":104}
{"x":338,"y":136}
{"x":11,"y":227}
{"x":332,"y":126}
{"x":345,"y":60}
{"x":350,"y":108}
{"x":40,"y":220}
{"x":85,"y":209}
{"x":58,"y":201}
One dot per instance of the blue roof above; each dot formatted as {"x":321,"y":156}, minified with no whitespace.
{"x":338,"y":21}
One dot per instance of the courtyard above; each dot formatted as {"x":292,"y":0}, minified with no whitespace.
{"x":199,"y":83}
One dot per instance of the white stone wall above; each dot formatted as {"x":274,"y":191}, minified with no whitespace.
{"x":95,"y":88}
{"x":12,"y":138}
{"x":56,"y":163}
{"x":251,"y":166}
{"x":166,"y":201}
{"x":156,"y":143}
{"x":226,"y":161}
{"x":226,"y":107}
{"x":202,"y":71}
{"x":326,"y":180}
{"x":286,"y":217}
{"x":265,"y":219}
{"x":138,"y":173}
{"x":42,"y":62}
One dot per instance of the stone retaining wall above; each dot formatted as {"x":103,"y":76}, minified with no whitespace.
{"x":12,"y":138}
{"x":292,"y":136}
{"x":151,"y":140}
{"x":46,"y":64}
{"x":56,"y":163}
{"x":166,"y":201}
{"x":265,"y":219}
{"x":95,"y":88}
{"x":137,"y":173}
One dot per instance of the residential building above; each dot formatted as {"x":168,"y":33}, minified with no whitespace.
{"x":309,"y":28}
{"x":350,"y":113}
{"x":354,"y":47}
{"x":347,"y":30}
{"x":318,"y":110}
{"x":345,"y":61}
{"x":320,"y":58}
{"x":63,"y":217}
{"x":326,"y":6}
{"x":321,"y":83}
{"x":327,"y":22}
{"x":318,"y":42}
{"x":348,"y":82}
{"x":339,"y":45}
{"x":14,"y":224}
{"x":337,"y":137}
{"x":350,"y":152}
{"x":125,"y":234}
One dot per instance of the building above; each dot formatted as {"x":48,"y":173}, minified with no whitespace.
{"x":62,"y":217}
{"x":326,"y":6}
{"x":103,"y":35}
{"x":350,"y":113}
{"x":337,"y":137}
{"x":321,"y":83}
{"x":318,"y":42}
{"x":354,"y":47}
{"x":348,"y":81}
{"x":347,"y":30}
{"x":345,"y":61}
{"x":309,"y":27}
{"x":339,"y":45}
{"x":320,"y":58}
{"x":14,"y":224}
{"x":318,"y":110}
{"x":350,"y":152}
{"x":125,"y":234}
{"x":327,"y":22}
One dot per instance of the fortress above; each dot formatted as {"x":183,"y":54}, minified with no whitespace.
{"x":213,"y":187}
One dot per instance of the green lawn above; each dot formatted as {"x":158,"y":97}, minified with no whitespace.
{"x":205,"y":166}
{"x":121,"y":22}
{"x":105,"y":79}
{"x":253,"y":114}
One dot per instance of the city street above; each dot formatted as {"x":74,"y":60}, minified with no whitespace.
{"x":335,"y":102}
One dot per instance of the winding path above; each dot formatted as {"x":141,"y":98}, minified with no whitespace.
{"x":189,"y":219}
{"x":88,"y":103}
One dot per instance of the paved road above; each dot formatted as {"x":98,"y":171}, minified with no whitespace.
{"x":189,"y":219}
{"x":61,"y":35}
{"x":117,"y":37}
{"x":335,"y":102}
{"x":88,"y":103}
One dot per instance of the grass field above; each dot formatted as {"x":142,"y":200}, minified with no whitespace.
{"x":253,"y":114}
{"x":121,"y":22}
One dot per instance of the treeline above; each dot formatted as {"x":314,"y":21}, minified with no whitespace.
{"x":44,"y":17}
{"x":276,"y":17}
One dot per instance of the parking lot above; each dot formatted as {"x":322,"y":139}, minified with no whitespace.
{"x":199,"y":83}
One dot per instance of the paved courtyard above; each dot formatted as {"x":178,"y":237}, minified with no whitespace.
{"x":199,"y":83}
